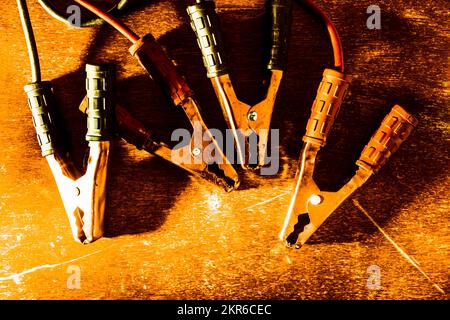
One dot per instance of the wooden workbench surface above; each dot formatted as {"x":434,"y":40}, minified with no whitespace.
{"x":172,"y":236}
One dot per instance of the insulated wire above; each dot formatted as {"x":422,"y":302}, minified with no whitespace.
{"x":334,"y":35}
{"x":119,"y":26}
{"x":31,"y":42}
{"x":51,"y":10}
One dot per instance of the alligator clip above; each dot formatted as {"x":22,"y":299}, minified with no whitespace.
{"x":84,"y":195}
{"x":202,"y":156}
{"x":250,"y":125}
{"x":310,"y":206}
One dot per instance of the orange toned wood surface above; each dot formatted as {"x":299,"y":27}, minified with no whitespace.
{"x":173,"y":236}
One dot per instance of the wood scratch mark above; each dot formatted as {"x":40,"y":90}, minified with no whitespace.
{"x":412,"y":261}
{"x":266,"y":201}
{"x":16,"y":276}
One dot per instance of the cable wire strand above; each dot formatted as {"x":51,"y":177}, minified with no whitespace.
{"x":334,"y":35}
{"x":119,"y":26}
{"x":30,"y":40}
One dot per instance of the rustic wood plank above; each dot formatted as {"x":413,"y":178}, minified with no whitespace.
{"x":172,"y":236}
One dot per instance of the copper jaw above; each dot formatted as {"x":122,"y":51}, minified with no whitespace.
{"x":83,"y":195}
{"x":245,"y":120}
{"x":310,"y":206}
{"x":211,"y":166}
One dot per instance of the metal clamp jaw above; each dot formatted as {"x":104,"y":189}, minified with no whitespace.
{"x":244,"y":120}
{"x":83,"y":195}
{"x":310,"y":206}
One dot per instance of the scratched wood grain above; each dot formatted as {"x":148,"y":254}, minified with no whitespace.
{"x":173,"y":236}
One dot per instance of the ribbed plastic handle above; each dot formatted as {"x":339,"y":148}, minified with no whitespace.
{"x":133,"y":131}
{"x":100,"y":102}
{"x":152,"y":57}
{"x":206,"y":25}
{"x":393,"y":131}
{"x":280,"y":13}
{"x":41,"y":101}
{"x":331,"y":93}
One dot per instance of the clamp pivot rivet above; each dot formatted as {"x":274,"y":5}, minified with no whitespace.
{"x":253,"y":116}
{"x":196,"y":152}
{"x":315,"y":200}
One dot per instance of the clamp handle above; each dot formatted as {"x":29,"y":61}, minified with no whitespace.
{"x":134,"y":131}
{"x":100,"y":102}
{"x":331,"y":93}
{"x":393,"y":131}
{"x":41,"y":101}
{"x":161,"y":69}
{"x":206,"y":25}
{"x":280,"y":12}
